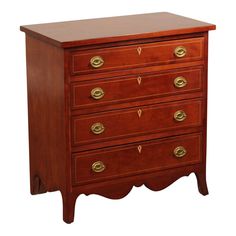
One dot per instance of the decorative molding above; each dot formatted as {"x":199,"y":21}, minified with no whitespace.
{"x":121,"y":190}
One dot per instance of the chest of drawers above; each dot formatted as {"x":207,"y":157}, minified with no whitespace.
{"x":115,"y":103}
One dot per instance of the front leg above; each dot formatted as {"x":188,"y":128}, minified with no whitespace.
{"x":201,"y":181}
{"x":69,"y":201}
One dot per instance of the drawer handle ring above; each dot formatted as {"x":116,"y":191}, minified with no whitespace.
{"x":97,"y":93}
{"x":98,"y":166}
{"x":180,"y":51}
{"x":180,"y":82}
{"x":180,"y":115}
{"x":96,"y":62}
{"x":180,"y":151}
{"x":97,"y":128}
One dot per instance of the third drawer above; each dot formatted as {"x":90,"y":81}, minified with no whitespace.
{"x":106,"y":126}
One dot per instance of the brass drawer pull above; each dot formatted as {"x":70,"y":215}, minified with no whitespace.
{"x":180,"y":151}
{"x":97,"y":93}
{"x":97,"y":128}
{"x":180,"y":115}
{"x":96,"y":62}
{"x":98,"y":166}
{"x":180,"y":51}
{"x":180,"y":82}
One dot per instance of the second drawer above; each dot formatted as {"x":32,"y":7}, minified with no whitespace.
{"x":136,"y":121}
{"x":130,"y":88}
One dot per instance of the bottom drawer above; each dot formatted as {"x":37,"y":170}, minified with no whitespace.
{"x":138,"y":158}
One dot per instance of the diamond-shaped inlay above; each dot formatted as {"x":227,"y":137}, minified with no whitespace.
{"x":139,"y":49}
{"x":139,"y":112}
{"x":139,"y":148}
{"x":139,"y":79}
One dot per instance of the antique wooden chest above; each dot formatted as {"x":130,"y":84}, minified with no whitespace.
{"x":115,"y":103}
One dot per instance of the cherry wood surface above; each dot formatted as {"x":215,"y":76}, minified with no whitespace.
{"x":135,"y":87}
{"x":136,"y":159}
{"x":61,"y":110}
{"x":130,"y":122}
{"x":130,"y":56}
{"x":111,"y":29}
{"x":46,"y":107}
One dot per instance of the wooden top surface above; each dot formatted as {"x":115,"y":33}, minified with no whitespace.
{"x":104,"y":30}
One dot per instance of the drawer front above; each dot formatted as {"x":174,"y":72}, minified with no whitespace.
{"x":131,"y":88}
{"x":137,"y":158}
{"x":115,"y":58}
{"x":136,"y":121}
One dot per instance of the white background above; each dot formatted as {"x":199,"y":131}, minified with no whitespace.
{"x":177,"y":210}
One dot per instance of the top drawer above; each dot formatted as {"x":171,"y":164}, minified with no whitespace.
{"x":116,"y":58}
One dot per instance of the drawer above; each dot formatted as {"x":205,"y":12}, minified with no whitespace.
{"x":136,"y":158}
{"x":131,"y":88}
{"x":123,"y":57}
{"x":106,"y":126}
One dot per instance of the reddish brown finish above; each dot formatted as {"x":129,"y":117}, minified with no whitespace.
{"x":147,"y":70}
{"x":113,"y":29}
{"x":120,"y":187}
{"x":137,"y":138}
{"x":47,"y":123}
{"x":136,"y":159}
{"x":61,"y":110}
{"x":131,"y":88}
{"x":128,"y":56}
{"x":120,"y":124}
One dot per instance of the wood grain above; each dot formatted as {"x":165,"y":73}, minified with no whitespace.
{"x":113,"y":29}
{"x":136,"y":159}
{"x":136,"y":87}
{"x":127,"y":123}
{"x":128,"y":56}
{"x":47,"y":124}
